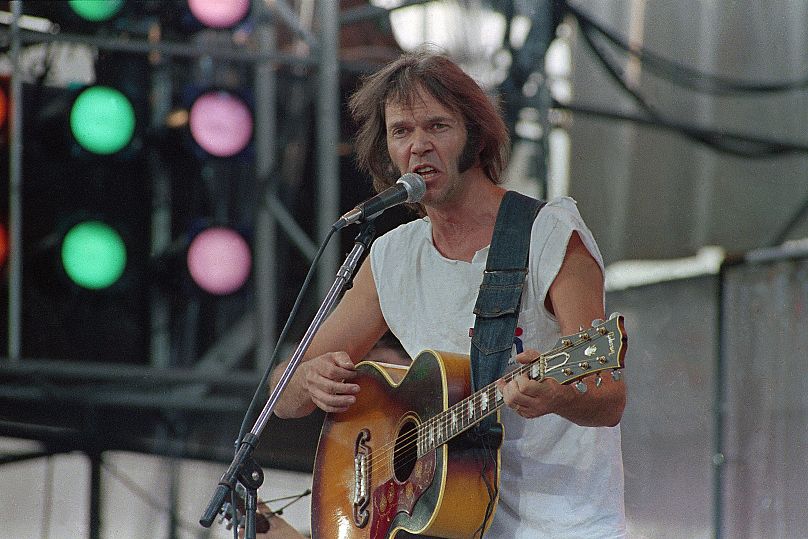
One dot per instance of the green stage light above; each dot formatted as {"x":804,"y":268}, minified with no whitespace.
{"x":102,"y":120}
{"x":93,"y":255}
{"x":96,"y":10}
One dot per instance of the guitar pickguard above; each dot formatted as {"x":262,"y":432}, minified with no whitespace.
{"x":393,"y":497}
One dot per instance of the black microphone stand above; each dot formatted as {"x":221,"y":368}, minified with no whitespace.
{"x":253,"y":476}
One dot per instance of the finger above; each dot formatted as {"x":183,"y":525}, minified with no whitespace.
{"x":525,"y":386}
{"x":527,"y":356}
{"x":332,"y":403}
{"x":512,"y":397}
{"x":338,"y":367}
{"x":323,"y":373}
{"x":340,"y":388}
{"x":507,"y":392}
{"x":343,"y":360}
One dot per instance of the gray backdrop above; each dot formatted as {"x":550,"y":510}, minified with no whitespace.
{"x":715,"y":436}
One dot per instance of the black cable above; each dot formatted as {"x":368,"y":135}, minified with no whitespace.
{"x":683,"y":75}
{"x":487,"y":454}
{"x":673,"y":126}
{"x":260,"y":390}
{"x":294,"y":499}
{"x":718,"y":141}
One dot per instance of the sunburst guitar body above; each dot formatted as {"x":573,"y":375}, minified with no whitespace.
{"x":370,"y":480}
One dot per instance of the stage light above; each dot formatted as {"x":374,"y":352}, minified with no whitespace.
{"x":96,"y":10}
{"x":93,"y":255}
{"x":221,"y":123}
{"x":219,"y":260}
{"x":219,"y":13}
{"x":102,"y":120}
{"x":3,"y":245}
{"x":3,"y":107}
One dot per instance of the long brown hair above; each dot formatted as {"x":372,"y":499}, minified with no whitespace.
{"x":400,"y":81}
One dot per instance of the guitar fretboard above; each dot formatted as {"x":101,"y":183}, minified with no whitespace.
{"x":463,"y":415}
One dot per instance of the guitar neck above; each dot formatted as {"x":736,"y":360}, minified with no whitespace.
{"x":466,"y":413}
{"x":600,"y":348}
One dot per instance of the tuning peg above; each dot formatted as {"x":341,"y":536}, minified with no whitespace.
{"x":614,"y":315}
{"x":596,"y":322}
{"x":580,"y":386}
{"x":616,"y":375}
{"x":598,"y":381}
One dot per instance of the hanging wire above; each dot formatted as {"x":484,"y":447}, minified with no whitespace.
{"x":683,"y":75}
{"x":733,"y":144}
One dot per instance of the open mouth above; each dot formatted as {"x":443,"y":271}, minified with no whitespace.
{"x":425,"y":171}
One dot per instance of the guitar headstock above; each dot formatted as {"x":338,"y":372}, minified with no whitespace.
{"x":601,"y":347}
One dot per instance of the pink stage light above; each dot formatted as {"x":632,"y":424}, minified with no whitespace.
{"x":219,"y":260}
{"x":221,"y":123}
{"x":3,"y":245}
{"x":219,"y":13}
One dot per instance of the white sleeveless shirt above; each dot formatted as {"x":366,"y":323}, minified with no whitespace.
{"x":557,"y":479}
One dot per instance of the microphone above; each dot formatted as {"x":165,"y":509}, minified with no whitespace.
{"x":408,"y":188}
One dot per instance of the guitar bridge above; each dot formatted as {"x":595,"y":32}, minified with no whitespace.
{"x":361,"y":497}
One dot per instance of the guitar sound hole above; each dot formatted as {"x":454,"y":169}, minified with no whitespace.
{"x":406,"y":451}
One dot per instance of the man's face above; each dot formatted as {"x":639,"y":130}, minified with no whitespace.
{"x":428,"y":139}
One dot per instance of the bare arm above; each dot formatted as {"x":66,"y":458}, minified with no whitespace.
{"x":576,"y":299}
{"x":323,"y":377}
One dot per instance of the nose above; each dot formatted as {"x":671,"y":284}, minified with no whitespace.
{"x":421,"y":142}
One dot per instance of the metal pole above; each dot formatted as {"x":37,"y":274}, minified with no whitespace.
{"x":266,"y":236}
{"x":160,"y":311}
{"x":15,"y":194}
{"x":328,"y":135}
{"x":719,"y":457}
{"x":95,"y":494}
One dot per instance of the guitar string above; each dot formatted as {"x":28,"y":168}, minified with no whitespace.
{"x":442,"y":419}
{"x":404,"y":443}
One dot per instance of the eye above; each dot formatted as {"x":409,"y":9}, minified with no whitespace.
{"x":398,"y":132}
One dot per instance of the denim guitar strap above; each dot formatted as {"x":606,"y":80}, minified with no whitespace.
{"x":498,"y":302}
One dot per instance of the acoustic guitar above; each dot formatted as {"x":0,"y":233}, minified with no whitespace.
{"x":398,"y":463}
